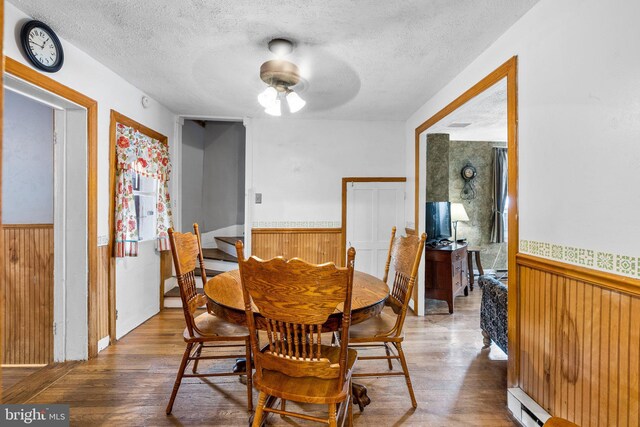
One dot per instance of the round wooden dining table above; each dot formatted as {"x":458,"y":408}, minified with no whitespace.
{"x":224,"y":293}
{"x":225,"y":296}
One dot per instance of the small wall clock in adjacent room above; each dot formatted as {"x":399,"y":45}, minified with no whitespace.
{"x":469,"y":174}
{"x":42,"y":46}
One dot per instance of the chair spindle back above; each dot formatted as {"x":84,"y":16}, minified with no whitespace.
{"x":185,"y":248}
{"x":404,"y":256}
{"x":295,"y":299}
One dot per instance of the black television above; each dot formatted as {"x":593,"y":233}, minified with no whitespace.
{"x":438,"y":221}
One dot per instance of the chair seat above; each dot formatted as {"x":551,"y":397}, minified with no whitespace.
{"x":308,"y":389}
{"x":375,"y":328}
{"x":211,"y":326}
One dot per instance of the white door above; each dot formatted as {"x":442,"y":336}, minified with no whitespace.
{"x":373,"y":208}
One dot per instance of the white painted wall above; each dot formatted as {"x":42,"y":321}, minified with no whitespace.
{"x":298,"y":166}
{"x":192,"y":170}
{"x":223,"y":179}
{"x":579,"y":103}
{"x":27,"y":161}
{"x":86,"y":75}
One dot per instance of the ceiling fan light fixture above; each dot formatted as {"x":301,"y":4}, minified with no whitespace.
{"x":274,"y":109}
{"x":280,"y":76}
{"x":268,"y":97}
{"x":295,"y":102}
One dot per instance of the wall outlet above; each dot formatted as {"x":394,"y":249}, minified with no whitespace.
{"x":103,"y":240}
{"x":258,"y":198}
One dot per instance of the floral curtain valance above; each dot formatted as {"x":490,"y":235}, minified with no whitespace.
{"x":141,"y":153}
{"x":137,"y":153}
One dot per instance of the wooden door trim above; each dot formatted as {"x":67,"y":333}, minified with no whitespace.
{"x":343,"y":249}
{"x":115,"y":118}
{"x":509,"y":71}
{"x":35,"y":78}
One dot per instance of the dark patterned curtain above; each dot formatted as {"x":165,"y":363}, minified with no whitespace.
{"x":499,"y":194}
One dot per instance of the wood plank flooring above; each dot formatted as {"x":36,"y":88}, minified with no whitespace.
{"x":456,"y":382}
{"x":12,"y":375}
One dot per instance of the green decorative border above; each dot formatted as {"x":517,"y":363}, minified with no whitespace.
{"x":623,"y":265}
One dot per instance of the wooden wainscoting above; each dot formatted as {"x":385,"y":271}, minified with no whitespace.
{"x":102,"y":308}
{"x":579,"y":342}
{"x":28,"y":279}
{"x":316,"y":245}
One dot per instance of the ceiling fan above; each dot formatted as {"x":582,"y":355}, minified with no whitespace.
{"x":280,"y":75}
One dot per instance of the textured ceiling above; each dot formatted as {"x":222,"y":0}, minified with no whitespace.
{"x":361,"y":59}
{"x":486,"y":115}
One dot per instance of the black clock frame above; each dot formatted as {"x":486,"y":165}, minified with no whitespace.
{"x":24,"y":41}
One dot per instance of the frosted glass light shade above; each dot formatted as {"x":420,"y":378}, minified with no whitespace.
{"x":268,"y":97}
{"x":274,"y":108}
{"x":458,"y":213}
{"x":295,"y":102}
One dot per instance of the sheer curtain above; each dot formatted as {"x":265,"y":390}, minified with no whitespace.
{"x":499,"y":195}
{"x":137,"y":153}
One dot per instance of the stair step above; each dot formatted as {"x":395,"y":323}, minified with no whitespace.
{"x":175,"y":292}
{"x":209,"y":273}
{"x":218,"y":255}
{"x":230,"y":240}
{"x":217,"y":265}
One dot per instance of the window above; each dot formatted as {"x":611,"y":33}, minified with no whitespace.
{"x":145,"y":196}
{"x":142,"y":202}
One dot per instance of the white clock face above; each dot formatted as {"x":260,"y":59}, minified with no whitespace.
{"x":42,"y":46}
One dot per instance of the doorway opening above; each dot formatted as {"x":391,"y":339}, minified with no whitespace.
{"x":506,"y":73}
{"x":212,"y":192}
{"x":45,"y":162}
{"x":466,"y":176}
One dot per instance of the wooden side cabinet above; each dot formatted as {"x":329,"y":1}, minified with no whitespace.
{"x":446,"y":274}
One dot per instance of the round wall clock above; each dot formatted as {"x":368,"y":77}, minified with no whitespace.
{"x":42,"y":46}
{"x":468,"y":172}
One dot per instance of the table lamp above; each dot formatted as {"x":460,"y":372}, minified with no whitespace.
{"x":457,"y":214}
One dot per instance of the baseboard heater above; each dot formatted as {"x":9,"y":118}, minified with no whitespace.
{"x":525,"y":409}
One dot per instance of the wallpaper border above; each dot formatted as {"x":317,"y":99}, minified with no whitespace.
{"x":623,"y":265}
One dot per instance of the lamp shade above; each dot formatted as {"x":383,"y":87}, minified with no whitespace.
{"x":268,"y":97}
{"x":458,"y":213}
{"x":295,"y":102}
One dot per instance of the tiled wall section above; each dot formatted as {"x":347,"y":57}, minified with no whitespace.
{"x":623,"y":265}
{"x":296,"y":224}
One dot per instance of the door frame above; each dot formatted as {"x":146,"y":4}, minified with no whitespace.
{"x":507,"y":70}
{"x":116,"y":117}
{"x":26,"y":73}
{"x":345,"y":181}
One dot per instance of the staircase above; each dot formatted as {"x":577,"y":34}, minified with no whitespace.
{"x":217,"y":260}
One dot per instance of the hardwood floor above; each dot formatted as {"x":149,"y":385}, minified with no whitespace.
{"x":455,"y":381}
{"x":12,"y":375}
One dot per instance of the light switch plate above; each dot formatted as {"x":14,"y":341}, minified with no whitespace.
{"x":258,"y":198}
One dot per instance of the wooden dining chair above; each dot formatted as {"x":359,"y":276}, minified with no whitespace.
{"x":385,"y":330}
{"x":294,"y":299}
{"x":205,"y":330}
